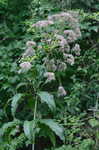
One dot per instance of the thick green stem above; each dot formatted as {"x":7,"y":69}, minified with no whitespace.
{"x":35,"y":110}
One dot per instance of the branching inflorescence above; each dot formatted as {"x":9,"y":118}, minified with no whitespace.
{"x":58,"y":36}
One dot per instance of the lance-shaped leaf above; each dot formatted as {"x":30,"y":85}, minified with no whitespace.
{"x":15,"y":102}
{"x":29,"y":129}
{"x":55,"y":127}
{"x":48,"y":99}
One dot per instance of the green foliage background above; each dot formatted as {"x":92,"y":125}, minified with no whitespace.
{"x":79,"y":112}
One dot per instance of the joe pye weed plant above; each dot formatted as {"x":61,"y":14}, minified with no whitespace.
{"x":46,"y":59}
{"x":48,"y":55}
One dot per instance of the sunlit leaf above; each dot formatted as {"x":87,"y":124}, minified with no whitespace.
{"x":48,"y":99}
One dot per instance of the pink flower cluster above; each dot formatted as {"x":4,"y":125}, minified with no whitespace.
{"x":30,"y":51}
{"x":71,"y":36}
{"x":43,"y":23}
{"x":62,"y":40}
{"x":30,"y":43}
{"x":61,"y":16}
{"x":70,"y":17}
{"x":50,"y":76}
{"x":59,"y":46}
{"x":25,"y":67}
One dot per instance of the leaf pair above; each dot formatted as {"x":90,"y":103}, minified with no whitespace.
{"x":45,"y":97}
{"x":30,"y":128}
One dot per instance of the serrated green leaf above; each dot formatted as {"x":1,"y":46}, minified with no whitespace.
{"x":55,"y":127}
{"x":48,"y":99}
{"x":15,"y":102}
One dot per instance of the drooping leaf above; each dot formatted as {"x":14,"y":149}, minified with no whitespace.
{"x":29,"y":129}
{"x":15,"y":102}
{"x":9,"y":125}
{"x":21,"y":85}
{"x":46,"y":132}
{"x":52,"y":138}
{"x":55,"y":127}
{"x":48,"y":99}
